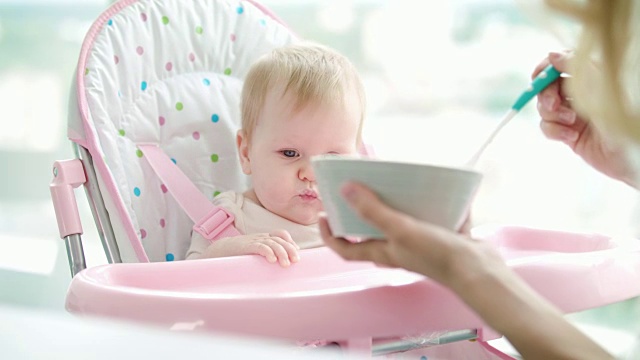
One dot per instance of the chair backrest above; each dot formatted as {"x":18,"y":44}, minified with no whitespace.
{"x":167,"y":72}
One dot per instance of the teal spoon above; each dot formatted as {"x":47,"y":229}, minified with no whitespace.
{"x":546,"y":77}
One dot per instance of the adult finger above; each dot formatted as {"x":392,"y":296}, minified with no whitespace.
{"x":372,"y":210}
{"x":562,"y":114}
{"x":371,"y":250}
{"x":465,"y":228}
{"x":339,"y":245}
{"x":549,"y":99}
{"x":556,"y":131}
{"x":541,"y":66}
{"x":560,"y":60}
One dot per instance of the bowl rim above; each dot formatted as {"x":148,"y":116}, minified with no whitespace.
{"x":382,"y":162}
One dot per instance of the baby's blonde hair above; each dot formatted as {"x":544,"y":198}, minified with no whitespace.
{"x":312,"y":73}
{"x":610,"y":41}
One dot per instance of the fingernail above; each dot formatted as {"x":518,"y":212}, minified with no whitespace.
{"x":555,"y":55}
{"x":295,"y":258}
{"x":548,"y":101}
{"x":567,"y":117}
{"x":349,"y":192}
{"x":570,"y":135}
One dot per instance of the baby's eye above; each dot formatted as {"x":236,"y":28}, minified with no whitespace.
{"x":289,"y":153}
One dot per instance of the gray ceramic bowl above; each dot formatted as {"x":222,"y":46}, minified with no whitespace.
{"x":436,"y":194}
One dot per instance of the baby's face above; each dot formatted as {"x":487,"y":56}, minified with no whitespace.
{"x":282,"y":144}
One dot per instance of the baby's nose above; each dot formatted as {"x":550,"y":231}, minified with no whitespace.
{"x":306,"y":172}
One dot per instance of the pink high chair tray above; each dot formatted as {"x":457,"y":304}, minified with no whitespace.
{"x":325,"y":297}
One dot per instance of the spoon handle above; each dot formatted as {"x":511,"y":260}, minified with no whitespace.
{"x":472,"y":162}
{"x":546,"y":77}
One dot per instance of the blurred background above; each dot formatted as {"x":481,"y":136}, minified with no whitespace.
{"x":439,"y":76}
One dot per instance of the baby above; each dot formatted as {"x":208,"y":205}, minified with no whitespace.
{"x":297,"y":102}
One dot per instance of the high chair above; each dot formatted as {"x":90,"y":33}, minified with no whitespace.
{"x":155,"y":98}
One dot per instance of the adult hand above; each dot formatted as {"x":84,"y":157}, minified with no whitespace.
{"x":409,"y":243}
{"x":561,"y":122}
{"x":473,"y":270}
{"x":276,"y":246}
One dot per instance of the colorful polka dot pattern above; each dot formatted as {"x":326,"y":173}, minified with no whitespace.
{"x":145,"y":71}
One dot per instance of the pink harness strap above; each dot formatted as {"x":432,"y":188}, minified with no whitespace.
{"x":212,"y":222}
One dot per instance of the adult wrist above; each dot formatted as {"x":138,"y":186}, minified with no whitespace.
{"x":474,"y":264}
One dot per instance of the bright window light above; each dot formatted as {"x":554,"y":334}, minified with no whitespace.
{"x":32,"y":112}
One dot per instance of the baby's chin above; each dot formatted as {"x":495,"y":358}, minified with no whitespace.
{"x":307,"y":217}
{"x":303,"y":220}
{"x":306,"y":213}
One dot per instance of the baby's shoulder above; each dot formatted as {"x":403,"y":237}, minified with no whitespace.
{"x":228,"y":198}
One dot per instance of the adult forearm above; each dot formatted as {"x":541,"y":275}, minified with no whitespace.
{"x":536,"y":328}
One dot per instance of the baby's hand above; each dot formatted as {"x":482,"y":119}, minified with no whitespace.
{"x":274,"y":246}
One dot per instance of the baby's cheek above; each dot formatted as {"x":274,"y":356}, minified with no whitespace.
{"x":276,"y":190}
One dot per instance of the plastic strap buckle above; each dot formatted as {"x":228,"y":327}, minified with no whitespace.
{"x":214,"y":223}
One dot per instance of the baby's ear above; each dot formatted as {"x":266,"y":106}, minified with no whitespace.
{"x":242,"y":142}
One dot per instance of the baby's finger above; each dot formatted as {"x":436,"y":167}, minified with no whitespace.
{"x":284,"y":234}
{"x":259,"y":248}
{"x":279,"y":251}
{"x":290,"y":249}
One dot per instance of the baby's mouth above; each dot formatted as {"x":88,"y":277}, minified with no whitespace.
{"x":309,"y":194}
